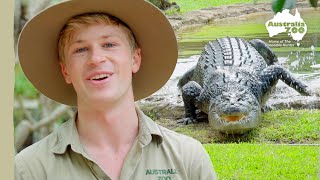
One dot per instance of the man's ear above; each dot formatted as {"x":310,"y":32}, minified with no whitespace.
{"x":65,"y":73}
{"x":136,"y":60}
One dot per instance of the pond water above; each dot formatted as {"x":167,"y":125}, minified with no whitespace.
{"x":303,"y":60}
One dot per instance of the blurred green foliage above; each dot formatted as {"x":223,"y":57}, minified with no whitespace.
{"x":279,"y":5}
{"x":22,"y":87}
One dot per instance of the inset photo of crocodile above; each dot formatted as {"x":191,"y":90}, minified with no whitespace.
{"x":235,"y":83}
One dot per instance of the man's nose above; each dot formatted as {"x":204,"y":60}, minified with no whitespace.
{"x":96,"y":56}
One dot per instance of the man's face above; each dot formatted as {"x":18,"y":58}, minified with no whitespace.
{"x":99,"y":63}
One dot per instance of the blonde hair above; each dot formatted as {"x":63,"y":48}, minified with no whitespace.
{"x":87,"y":19}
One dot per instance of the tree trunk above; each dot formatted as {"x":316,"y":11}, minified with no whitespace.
{"x":23,"y":11}
{"x":17,"y":17}
{"x":35,"y":6}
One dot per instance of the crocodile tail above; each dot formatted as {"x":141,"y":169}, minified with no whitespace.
{"x":185,"y":78}
{"x":268,"y":55}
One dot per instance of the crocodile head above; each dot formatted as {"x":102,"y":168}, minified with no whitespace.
{"x":234,"y":110}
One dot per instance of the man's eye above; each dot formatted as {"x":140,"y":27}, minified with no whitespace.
{"x":79,"y":50}
{"x":109,"y":45}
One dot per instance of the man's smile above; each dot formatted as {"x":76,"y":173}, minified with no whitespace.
{"x":99,"y":77}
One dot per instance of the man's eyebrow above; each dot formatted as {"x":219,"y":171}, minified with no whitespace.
{"x":103,"y":37}
{"x":110,"y":35}
{"x":76,"y":42}
{"x":106,"y":36}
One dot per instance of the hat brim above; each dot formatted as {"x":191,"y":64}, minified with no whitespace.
{"x":38,"y":53}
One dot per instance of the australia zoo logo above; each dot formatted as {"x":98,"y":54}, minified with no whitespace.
{"x":284,"y":22}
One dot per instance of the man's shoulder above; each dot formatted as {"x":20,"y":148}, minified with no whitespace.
{"x":42,"y":149}
{"x":190,"y":152}
{"x":30,"y":162}
{"x":168,"y":136}
{"x":178,"y":139}
{"x":38,"y":149}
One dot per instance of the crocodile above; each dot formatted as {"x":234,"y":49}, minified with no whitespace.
{"x":231,"y":83}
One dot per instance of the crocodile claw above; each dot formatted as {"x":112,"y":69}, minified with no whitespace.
{"x":186,"y":121}
{"x":311,"y":92}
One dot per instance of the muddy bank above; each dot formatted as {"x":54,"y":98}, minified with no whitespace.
{"x":207,"y":15}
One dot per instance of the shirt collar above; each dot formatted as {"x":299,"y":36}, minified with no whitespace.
{"x":68,"y":137}
{"x":68,"y":134}
{"x":148,"y":129}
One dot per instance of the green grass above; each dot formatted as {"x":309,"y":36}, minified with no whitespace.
{"x":192,"y":41}
{"x":290,"y":126}
{"x":190,"y":5}
{"x":281,"y":126}
{"x":208,"y":33}
{"x":262,"y":161}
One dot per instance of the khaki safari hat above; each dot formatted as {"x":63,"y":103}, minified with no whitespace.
{"x":38,"y":41}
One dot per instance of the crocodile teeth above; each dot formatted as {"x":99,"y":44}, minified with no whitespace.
{"x":232,"y":118}
{"x":100,"y":76}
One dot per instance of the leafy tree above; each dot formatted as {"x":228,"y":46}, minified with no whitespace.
{"x":279,"y":5}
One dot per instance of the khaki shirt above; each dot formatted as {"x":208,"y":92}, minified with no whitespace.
{"x":157,"y":153}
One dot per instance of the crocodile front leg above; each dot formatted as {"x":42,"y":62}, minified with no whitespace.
{"x":271,"y":74}
{"x":190,"y":93}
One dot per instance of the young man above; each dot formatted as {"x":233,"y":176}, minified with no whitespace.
{"x":105,"y":67}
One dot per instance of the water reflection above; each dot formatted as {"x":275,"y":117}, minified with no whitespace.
{"x":303,"y":60}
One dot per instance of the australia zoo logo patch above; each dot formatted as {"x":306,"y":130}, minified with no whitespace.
{"x":162,"y":174}
{"x":283,"y":21}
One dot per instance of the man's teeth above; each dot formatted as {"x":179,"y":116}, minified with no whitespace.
{"x":100,"y":76}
